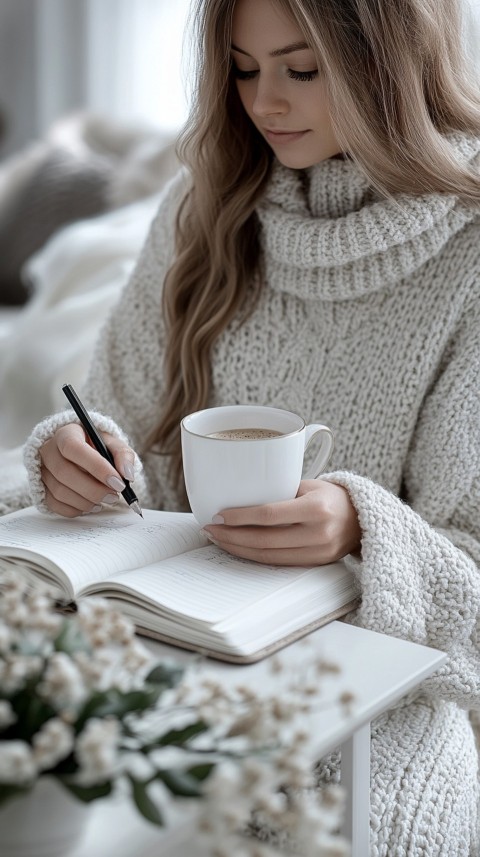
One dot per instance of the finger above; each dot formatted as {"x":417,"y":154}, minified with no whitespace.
{"x":73,"y":447}
{"x":303,"y":557}
{"x":57,"y":471}
{"x":265,"y":538}
{"x":301,"y":509}
{"x":65,"y":510}
{"x":123,"y":455}
{"x":80,"y":492}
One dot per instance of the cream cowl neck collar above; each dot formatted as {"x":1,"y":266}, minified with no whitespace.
{"x":326,"y":234}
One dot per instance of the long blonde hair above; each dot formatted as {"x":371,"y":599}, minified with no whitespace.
{"x":398,"y":83}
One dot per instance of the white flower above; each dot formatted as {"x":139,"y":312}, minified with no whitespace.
{"x":17,"y":615}
{"x":271,"y":780}
{"x":326,"y":844}
{"x":53,"y":742}
{"x":295,"y":767}
{"x":226,"y":779}
{"x":41,"y":617}
{"x":121,"y":630}
{"x":15,"y":669}
{"x":136,"y":657}
{"x":7,"y":637}
{"x":13,"y":587}
{"x":104,"y":625}
{"x":17,"y":765}
{"x":62,"y":683}
{"x":96,"y":671}
{"x":7,"y":714}
{"x":227,"y":803}
{"x":112,"y":666}
{"x":118,"y":658}
{"x":96,"y":749}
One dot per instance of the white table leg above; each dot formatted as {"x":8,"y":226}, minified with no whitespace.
{"x":355,"y":777}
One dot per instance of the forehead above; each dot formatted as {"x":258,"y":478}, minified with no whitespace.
{"x":260,"y":26}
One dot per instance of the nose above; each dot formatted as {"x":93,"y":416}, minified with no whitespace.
{"x":269,"y":99}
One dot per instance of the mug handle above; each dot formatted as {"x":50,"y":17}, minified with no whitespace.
{"x":325,"y":451}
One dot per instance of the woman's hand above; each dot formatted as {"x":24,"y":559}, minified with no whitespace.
{"x":319,"y":526}
{"x":77,"y":478}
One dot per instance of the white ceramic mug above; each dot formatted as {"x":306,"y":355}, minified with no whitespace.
{"x":224,"y":473}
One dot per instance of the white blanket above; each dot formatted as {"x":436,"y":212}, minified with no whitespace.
{"x":76,"y":278}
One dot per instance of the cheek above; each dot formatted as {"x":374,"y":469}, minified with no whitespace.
{"x":247,"y":97}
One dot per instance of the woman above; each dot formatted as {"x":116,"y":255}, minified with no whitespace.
{"x":320,"y":254}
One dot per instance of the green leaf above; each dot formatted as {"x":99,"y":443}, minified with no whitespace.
{"x":201,"y":772}
{"x":31,"y":712}
{"x":117,"y":703}
{"x":167,"y":675}
{"x":180,"y":783}
{"x":87,"y":793}
{"x":66,"y":766}
{"x":70,"y":639}
{"x":8,"y":792}
{"x":144,"y":803}
{"x":181,"y":736}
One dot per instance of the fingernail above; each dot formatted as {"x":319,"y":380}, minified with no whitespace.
{"x":128,"y":471}
{"x":115,"y":483}
{"x":93,"y":510}
{"x":208,"y":536}
{"x":218,"y":519}
{"x":110,"y":499}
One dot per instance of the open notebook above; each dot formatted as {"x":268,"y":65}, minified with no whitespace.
{"x":175,"y":585}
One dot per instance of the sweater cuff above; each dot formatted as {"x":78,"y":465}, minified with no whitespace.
{"x":44,"y":431}
{"x":417,"y":584}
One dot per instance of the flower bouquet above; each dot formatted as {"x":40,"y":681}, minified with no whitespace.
{"x":83,"y":702}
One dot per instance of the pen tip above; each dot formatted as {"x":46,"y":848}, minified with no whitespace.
{"x":136,"y":508}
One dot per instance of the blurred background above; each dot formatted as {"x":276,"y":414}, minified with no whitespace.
{"x":92,"y":96}
{"x":121,"y":58}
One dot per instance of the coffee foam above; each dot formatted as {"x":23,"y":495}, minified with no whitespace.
{"x":245,"y":434}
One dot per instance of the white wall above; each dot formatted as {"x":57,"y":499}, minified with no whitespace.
{"x":135,"y":59}
{"x":118,"y":57}
{"x":60,"y":58}
{"x":17,"y":72}
{"x":472,"y":31}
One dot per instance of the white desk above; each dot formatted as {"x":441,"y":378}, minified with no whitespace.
{"x":378,"y":670}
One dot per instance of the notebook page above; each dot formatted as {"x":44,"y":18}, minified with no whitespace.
{"x":93,"y":547}
{"x":208,"y":585}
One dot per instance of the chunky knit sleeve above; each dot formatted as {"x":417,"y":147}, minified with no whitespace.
{"x":420,"y":566}
{"x":124,"y":383}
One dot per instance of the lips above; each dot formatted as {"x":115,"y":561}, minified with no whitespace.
{"x":275,"y":135}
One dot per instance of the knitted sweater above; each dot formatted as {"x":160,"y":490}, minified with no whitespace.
{"x":368,"y":320}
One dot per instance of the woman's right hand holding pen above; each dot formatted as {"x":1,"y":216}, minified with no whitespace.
{"x":77,"y":478}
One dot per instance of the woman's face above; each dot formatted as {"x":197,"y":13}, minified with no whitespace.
{"x":281,"y":88}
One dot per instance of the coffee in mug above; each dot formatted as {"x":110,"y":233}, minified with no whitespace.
{"x":245,"y":434}
{"x":247,"y":455}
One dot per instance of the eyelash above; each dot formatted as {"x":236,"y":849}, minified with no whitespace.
{"x":302,"y":75}
{"x":294,"y":75}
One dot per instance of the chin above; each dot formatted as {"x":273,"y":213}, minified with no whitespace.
{"x":299,"y":161}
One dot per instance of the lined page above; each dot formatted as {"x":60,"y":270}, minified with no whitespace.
{"x":93,"y":547}
{"x":208,"y":585}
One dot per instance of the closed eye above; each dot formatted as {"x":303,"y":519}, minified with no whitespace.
{"x":243,"y":75}
{"x":303,"y":75}
{"x":294,"y":75}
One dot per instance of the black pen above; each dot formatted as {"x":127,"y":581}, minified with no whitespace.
{"x":128,"y":494}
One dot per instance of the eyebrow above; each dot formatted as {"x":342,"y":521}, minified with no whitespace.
{"x":280,"y":52}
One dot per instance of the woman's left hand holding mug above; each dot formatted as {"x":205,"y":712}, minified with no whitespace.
{"x":320,"y":525}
